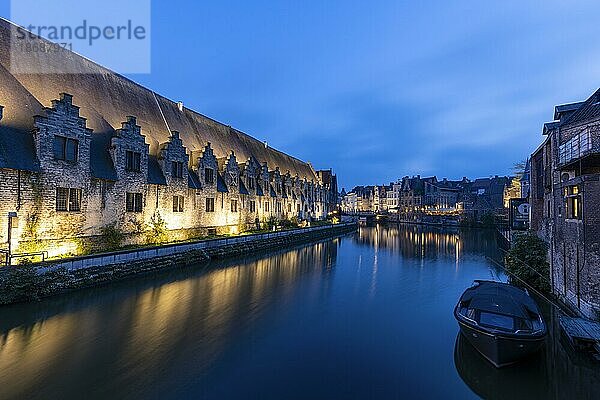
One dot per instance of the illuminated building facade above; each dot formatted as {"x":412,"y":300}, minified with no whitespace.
{"x":371,"y":199}
{"x":411,"y":197}
{"x":82,"y":154}
{"x":564,"y":195}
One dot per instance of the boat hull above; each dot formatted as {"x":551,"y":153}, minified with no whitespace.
{"x":501,"y":350}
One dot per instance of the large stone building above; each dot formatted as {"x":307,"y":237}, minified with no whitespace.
{"x":91,"y":153}
{"x":565,"y":197}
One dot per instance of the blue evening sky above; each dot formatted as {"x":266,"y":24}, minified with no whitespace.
{"x":379,"y":90}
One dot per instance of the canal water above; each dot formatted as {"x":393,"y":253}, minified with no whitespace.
{"x":365,"y":316}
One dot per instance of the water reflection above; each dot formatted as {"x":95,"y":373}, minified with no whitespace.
{"x":555,"y":373}
{"x":364,"y":316}
{"x":418,"y":241}
{"x":146,"y":328}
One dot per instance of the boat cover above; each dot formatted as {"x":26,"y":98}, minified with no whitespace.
{"x":500,"y":298}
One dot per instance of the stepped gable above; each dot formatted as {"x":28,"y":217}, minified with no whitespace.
{"x":106,"y":98}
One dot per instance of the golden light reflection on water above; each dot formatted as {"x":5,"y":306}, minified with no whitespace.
{"x":141,"y":331}
{"x":422,"y":242}
{"x":275,"y":323}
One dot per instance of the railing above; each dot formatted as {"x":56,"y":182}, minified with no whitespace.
{"x":575,"y":148}
{"x":9,"y":257}
{"x":118,"y":257}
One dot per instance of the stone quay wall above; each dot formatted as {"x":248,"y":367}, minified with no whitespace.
{"x":30,"y":283}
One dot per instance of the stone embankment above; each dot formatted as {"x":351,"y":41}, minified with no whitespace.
{"x":33,"y":282}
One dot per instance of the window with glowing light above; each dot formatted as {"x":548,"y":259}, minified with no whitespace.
{"x":573,"y":206}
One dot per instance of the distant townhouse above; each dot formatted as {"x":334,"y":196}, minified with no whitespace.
{"x":365,"y":198}
{"x":393,"y":197}
{"x":380,"y":202}
{"x":412,"y":193}
{"x":443,"y":196}
{"x":350,"y":202}
{"x":485,"y":196}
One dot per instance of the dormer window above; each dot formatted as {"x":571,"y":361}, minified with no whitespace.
{"x":133,"y":161}
{"x":177,"y":169}
{"x":66,"y":149}
{"x":209,"y":176}
{"x":251,"y":183}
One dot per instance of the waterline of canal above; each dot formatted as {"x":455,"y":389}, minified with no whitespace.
{"x":368,"y":315}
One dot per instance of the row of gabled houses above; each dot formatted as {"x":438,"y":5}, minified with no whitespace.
{"x":417,"y":195}
{"x":92,"y":156}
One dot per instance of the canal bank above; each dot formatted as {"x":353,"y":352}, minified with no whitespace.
{"x":35,"y":281}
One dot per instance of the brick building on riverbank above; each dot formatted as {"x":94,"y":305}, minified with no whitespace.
{"x":93,"y":152}
{"x":565,"y":198}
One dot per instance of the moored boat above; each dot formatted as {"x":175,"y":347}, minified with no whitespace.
{"x":501,"y":321}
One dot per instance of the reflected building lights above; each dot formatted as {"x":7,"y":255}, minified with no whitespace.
{"x":422,"y":242}
{"x":153,"y":322}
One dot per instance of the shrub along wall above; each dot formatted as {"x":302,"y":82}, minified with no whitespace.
{"x":33,"y":282}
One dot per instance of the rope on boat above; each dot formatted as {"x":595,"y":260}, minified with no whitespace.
{"x":540,"y":294}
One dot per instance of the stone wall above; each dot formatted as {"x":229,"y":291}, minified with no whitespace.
{"x":33,"y":195}
{"x":49,"y":279}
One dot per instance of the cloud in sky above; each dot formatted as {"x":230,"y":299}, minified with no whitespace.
{"x":382,"y":89}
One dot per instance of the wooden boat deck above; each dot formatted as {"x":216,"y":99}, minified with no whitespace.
{"x":581,"y":332}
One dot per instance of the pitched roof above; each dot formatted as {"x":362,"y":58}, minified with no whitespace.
{"x":194,"y":180}
{"x":566,"y":109}
{"x":221,"y":185}
{"x":101,"y":163}
{"x":106,"y":98}
{"x":243,"y":189}
{"x":259,"y":190}
{"x":17,"y":150}
{"x":549,"y":126}
{"x":155,"y":174}
{"x":589,"y":109}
